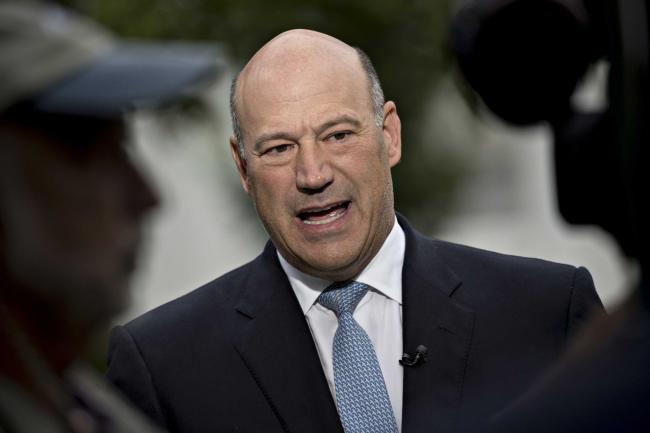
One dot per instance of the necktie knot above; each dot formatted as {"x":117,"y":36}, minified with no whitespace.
{"x":343,"y":298}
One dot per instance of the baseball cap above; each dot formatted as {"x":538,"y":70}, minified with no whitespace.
{"x":59,"y":62}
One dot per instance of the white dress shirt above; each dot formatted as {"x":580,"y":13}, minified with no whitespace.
{"x":379,"y":313}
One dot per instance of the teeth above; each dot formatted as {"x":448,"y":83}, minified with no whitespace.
{"x":331,"y":217}
{"x":321,"y":210}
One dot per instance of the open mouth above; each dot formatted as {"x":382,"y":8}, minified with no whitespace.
{"x":324,"y":215}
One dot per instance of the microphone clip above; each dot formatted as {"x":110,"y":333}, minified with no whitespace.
{"x":414,"y":359}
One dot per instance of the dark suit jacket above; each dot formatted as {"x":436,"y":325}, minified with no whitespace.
{"x":602,"y":385}
{"x":236,"y":355}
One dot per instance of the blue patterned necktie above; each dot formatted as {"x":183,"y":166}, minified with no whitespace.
{"x":361,"y":396}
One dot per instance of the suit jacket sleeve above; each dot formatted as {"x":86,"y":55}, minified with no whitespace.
{"x":584,"y":302}
{"x":128,"y":371}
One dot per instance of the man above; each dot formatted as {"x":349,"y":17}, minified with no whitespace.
{"x":275,"y":346}
{"x":71,"y":208}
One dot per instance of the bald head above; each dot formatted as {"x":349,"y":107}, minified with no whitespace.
{"x":293,"y":46}
{"x":307,"y":55}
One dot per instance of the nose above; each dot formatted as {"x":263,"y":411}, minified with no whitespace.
{"x":313,"y":170}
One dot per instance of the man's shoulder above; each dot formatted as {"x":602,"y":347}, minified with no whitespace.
{"x":212,"y":301}
{"x":488,"y":274}
{"x":462,"y":256}
{"x":459,"y":256}
{"x":424,"y":250}
{"x":502,"y":285}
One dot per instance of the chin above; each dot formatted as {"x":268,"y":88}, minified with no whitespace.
{"x":336,"y":269}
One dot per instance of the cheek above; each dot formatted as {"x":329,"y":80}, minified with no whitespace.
{"x":369,"y":169}
{"x":374,"y":183}
{"x":271,"y":188}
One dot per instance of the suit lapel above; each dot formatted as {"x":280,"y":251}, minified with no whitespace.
{"x":433,"y":390}
{"x":278,"y":349}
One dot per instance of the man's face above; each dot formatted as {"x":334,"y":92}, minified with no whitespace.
{"x":71,"y":208}
{"x":316,"y":165}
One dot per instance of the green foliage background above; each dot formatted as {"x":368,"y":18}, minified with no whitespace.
{"x":406,"y":40}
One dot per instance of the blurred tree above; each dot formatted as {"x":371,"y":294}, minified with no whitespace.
{"x":405,"y":39}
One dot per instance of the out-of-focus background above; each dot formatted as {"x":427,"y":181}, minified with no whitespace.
{"x":465,"y":176}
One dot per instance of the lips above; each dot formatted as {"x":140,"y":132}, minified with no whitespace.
{"x":323,"y":215}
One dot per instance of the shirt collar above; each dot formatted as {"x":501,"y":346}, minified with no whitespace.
{"x":383,"y":273}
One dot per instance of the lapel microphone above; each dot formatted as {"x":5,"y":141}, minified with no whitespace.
{"x":416,"y":358}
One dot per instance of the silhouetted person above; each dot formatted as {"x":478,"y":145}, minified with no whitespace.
{"x":72,"y":206}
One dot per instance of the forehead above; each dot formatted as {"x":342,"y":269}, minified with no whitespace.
{"x":303,"y":81}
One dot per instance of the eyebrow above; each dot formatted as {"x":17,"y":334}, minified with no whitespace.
{"x":282,"y":135}
{"x":344,"y":118}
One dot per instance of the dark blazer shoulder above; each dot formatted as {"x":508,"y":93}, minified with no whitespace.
{"x":502,"y":284}
{"x":479,"y":269}
{"x":462,"y":257}
{"x":203,"y":307}
{"x":488,"y":275}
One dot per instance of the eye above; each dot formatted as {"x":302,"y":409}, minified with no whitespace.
{"x":281,"y":148}
{"x":338,"y":137}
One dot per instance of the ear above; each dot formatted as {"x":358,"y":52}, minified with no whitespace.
{"x":392,"y":130}
{"x":240,"y":163}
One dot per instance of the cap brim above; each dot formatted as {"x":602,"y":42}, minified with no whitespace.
{"x":133,"y":75}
